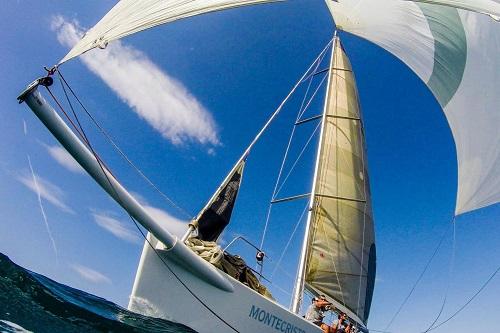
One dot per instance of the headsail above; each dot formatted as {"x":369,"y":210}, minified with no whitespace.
{"x":130,"y":16}
{"x":212,"y":220}
{"x":341,"y":246}
{"x":455,"y":52}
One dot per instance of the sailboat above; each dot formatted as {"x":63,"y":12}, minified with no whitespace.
{"x":442,"y":41}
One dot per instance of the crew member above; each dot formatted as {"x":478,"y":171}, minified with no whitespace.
{"x":315,"y":312}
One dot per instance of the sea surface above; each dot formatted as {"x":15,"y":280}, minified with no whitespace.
{"x":30,"y":302}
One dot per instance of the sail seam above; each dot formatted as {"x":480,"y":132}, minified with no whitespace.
{"x":343,"y":117}
{"x":339,"y":197}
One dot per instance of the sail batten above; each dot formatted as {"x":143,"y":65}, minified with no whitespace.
{"x":341,"y":237}
{"x":131,"y":16}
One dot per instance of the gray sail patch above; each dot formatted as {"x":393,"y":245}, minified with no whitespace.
{"x":450,"y":51}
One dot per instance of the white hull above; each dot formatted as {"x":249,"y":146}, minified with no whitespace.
{"x":158,"y":292}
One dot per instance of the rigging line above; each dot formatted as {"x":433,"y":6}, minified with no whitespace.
{"x":280,"y":268}
{"x":284,"y":291}
{"x":299,"y":221}
{"x":322,"y":53}
{"x":309,"y":86}
{"x":120,"y":151}
{"x":268,"y":215}
{"x":468,"y":301}
{"x":74,"y":113}
{"x":314,"y":95}
{"x":303,"y":108}
{"x":65,"y":114}
{"x":282,"y":104}
{"x":450,"y":274}
{"x":418,"y":279}
{"x":270,"y":207}
{"x":102,"y":167}
{"x":297,"y":159}
{"x":82,"y":135}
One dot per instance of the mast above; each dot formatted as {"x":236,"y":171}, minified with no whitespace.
{"x":338,"y":253}
{"x":194,"y":224}
{"x":299,"y":282}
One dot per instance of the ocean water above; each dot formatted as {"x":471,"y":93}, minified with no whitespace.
{"x":30,"y":302}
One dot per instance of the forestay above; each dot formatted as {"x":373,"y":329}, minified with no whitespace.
{"x":456,"y":53}
{"x":131,"y":16}
{"x":341,"y":247}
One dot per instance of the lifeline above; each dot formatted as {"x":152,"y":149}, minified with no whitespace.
{"x":273,"y":321}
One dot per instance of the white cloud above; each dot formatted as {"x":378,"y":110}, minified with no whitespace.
{"x":139,"y":198}
{"x":174,"y":225}
{"x":90,"y":275}
{"x":46,"y":190}
{"x":64,"y":158}
{"x":116,"y":227}
{"x":155,"y":96}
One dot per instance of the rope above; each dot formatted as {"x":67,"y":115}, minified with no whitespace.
{"x":208,"y":251}
{"x":297,"y":159}
{"x":460,"y":309}
{"x":468,"y":301}
{"x":313,"y":95}
{"x":278,"y":263}
{"x":81,"y":134}
{"x":309,"y":84}
{"x":145,"y":238}
{"x":450,"y":274}
{"x":417,"y":281}
{"x":320,"y":56}
{"x":118,"y":149}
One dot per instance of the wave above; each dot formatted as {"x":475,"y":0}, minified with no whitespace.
{"x":30,"y":302}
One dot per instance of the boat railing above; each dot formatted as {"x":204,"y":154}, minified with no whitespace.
{"x":259,"y":257}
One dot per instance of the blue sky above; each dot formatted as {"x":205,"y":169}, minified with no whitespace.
{"x":223,"y":74}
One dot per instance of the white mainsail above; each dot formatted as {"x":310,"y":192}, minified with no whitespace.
{"x":130,"y":16}
{"x":455,"y":52}
{"x":340,"y":261}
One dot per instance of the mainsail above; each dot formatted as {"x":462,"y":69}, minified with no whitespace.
{"x":340,"y":261}
{"x":455,"y":52}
